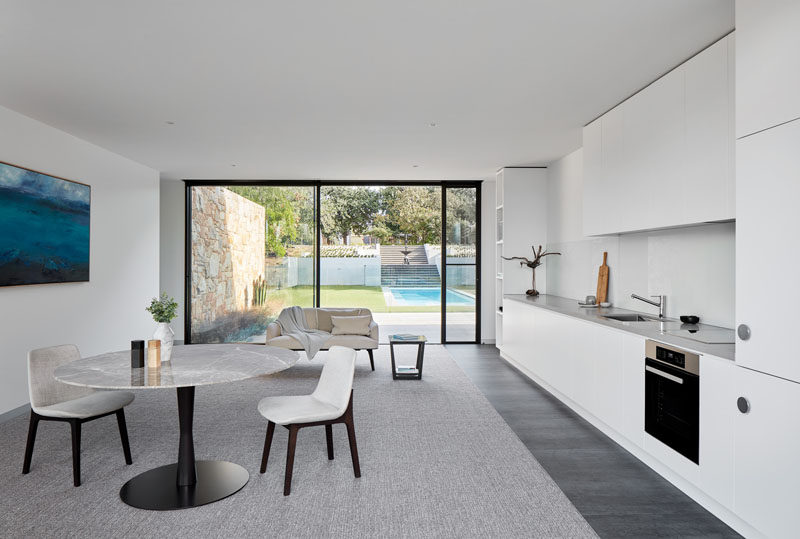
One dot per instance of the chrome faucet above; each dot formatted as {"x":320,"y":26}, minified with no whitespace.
{"x":661,"y":303}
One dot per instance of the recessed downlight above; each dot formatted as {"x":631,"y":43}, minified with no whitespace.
{"x":169,"y":122}
{"x":414,"y":166}
{"x":432,"y":124}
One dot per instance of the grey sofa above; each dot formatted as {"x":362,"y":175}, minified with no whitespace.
{"x":320,"y":318}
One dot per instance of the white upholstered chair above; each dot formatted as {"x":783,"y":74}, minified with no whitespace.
{"x":52,"y":400}
{"x":330,"y":403}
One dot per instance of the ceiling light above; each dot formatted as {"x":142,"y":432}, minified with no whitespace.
{"x":414,"y":166}
{"x":170,"y":122}
{"x":233,"y":164}
{"x":432,"y":124}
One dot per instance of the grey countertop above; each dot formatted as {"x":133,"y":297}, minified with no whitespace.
{"x":652,"y":330}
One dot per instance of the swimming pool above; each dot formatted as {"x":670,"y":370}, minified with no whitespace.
{"x":428,"y":296}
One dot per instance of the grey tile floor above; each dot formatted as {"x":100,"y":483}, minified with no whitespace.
{"x":617,"y":494}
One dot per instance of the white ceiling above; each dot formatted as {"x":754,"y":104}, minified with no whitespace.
{"x":342,"y":89}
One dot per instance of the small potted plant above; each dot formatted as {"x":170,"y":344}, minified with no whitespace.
{"x":164,"y":309}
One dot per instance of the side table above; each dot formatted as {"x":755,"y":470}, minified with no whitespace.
{"x":400,"y":372}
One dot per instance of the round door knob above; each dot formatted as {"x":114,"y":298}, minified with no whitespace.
{"x":743,"y":404}
{"x":744,"y":331}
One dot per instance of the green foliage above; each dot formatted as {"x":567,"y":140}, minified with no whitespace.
{"x":417,"y":211}
{"x":163,"y":309}
{"x":346,"y":210}
{"x":289,"y":213}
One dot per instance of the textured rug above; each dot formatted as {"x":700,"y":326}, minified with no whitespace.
{"x":436,"y":461}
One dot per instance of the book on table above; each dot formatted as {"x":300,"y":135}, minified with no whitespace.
{"x":406,"y":337}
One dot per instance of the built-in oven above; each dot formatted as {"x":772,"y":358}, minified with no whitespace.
{"x":672,"y":398}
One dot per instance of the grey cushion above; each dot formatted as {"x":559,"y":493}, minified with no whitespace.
{"x":351,"y":325}
{"x":98,"y":403}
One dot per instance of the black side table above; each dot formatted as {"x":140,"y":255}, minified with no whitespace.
{"x":400,"y":372}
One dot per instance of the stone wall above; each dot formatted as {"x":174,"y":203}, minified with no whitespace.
{"x":228,"y":253}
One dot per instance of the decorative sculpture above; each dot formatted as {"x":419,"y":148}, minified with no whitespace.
{"x":533,"y":264}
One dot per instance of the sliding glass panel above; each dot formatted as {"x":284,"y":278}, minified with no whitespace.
{"x":252,"y":253}
{"x":461,"y":264}
{"x":380,"y":250}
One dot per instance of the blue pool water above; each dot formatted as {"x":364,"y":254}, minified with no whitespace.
{"x":428,"y":296}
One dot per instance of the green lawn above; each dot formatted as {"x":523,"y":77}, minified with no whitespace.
{"x":370,"y":297}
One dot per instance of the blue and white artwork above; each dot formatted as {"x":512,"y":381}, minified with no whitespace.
{"x":44,"y":228}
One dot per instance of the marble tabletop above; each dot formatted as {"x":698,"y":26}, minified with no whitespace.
{"x":191,"y":365}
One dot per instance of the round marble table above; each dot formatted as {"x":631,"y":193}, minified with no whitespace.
{"x":189,"y":482}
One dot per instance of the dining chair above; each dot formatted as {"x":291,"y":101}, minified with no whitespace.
{"x":52,"y":400}
{"x":330,"y":403}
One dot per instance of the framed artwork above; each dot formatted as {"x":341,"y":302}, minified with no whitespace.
{"x":44,"y":228}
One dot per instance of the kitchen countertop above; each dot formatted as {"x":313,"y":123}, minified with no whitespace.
{"x":651,"y":330}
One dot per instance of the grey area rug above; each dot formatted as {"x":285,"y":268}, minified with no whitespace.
{"x":436,"y":461}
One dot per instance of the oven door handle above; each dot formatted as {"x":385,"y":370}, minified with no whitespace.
{"x":663,"y":374}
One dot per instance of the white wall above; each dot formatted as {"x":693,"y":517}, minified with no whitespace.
{"x":172,"y":215}
{"x":107,"y":312}
{"x":488,"y":224}
{"x":693,"y":266}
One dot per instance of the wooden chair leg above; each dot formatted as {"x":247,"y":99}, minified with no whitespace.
{"x":76,"y":451}
{"x":371,"y":359}
{"x":123,"y":434}
{"x":351,"y":436}
{"x":33,"y":425}
{"x":287,"y":483}
{"x":329,"y":439}
{"x":267,"y":445}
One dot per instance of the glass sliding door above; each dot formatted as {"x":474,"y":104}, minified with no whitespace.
{"x":380,"y":247}
{"x":252,"y":252}
{"x":408,"y":252}
{"x":460,"y":262}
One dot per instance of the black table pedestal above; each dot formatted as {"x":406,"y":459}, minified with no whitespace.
{"x":188,"y":483}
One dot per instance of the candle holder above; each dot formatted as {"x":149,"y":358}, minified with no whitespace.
{"x":137,"y":354}
{"x":154,"y":354}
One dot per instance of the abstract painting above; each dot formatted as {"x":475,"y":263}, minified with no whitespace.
{"x":44,"y":228}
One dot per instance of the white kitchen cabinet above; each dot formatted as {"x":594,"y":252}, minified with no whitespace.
{"x":717,"y":417}
{"x":767,"y":284}
{"x":633,"y":354}
{"x":518,"y":323}
{"x":664,"y":157}
{"x":607,"y":377}
{"x":707,"y":178}
{"x":521,"y":195}
{"x":593,"y":192}
{"x":767,"y":449}
{"x":767,"y":74}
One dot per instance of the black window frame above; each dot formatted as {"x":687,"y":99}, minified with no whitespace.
{"x":318,"y":184}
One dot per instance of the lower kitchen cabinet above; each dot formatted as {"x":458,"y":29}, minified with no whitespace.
{"x":767,"y":451}
{"x":632,"y":391}
{"x":747,"y":461}
{"x":717,"y":418}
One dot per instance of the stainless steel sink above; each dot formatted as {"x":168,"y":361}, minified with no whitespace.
{"x":630,"y":318}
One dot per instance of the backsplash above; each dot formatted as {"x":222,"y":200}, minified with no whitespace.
{"x":692,"y":266}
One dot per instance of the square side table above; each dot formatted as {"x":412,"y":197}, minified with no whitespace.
{"x":401,"y":372}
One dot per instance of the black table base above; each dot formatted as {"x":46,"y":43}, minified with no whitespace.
{"x":157,"y":489}
{"x":187,"y":483}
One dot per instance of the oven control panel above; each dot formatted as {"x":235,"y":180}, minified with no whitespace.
{"x":670,"y":355}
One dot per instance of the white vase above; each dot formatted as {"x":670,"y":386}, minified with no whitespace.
{"x":165,"y":334}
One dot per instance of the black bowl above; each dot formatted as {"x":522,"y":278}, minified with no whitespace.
{"x":690,"y":319}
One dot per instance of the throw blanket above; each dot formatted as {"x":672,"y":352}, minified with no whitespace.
{"x":293,"y":323}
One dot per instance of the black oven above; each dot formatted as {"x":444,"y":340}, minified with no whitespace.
{"x":672,"y":398}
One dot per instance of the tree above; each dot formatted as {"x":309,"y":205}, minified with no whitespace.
{"x":285,"y":208}
{"x":345,"y":210}
{"x":417,"y":211}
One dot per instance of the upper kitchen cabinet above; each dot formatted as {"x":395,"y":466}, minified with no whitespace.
{"x":665,"y":156}
{"x":767,"y":74}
